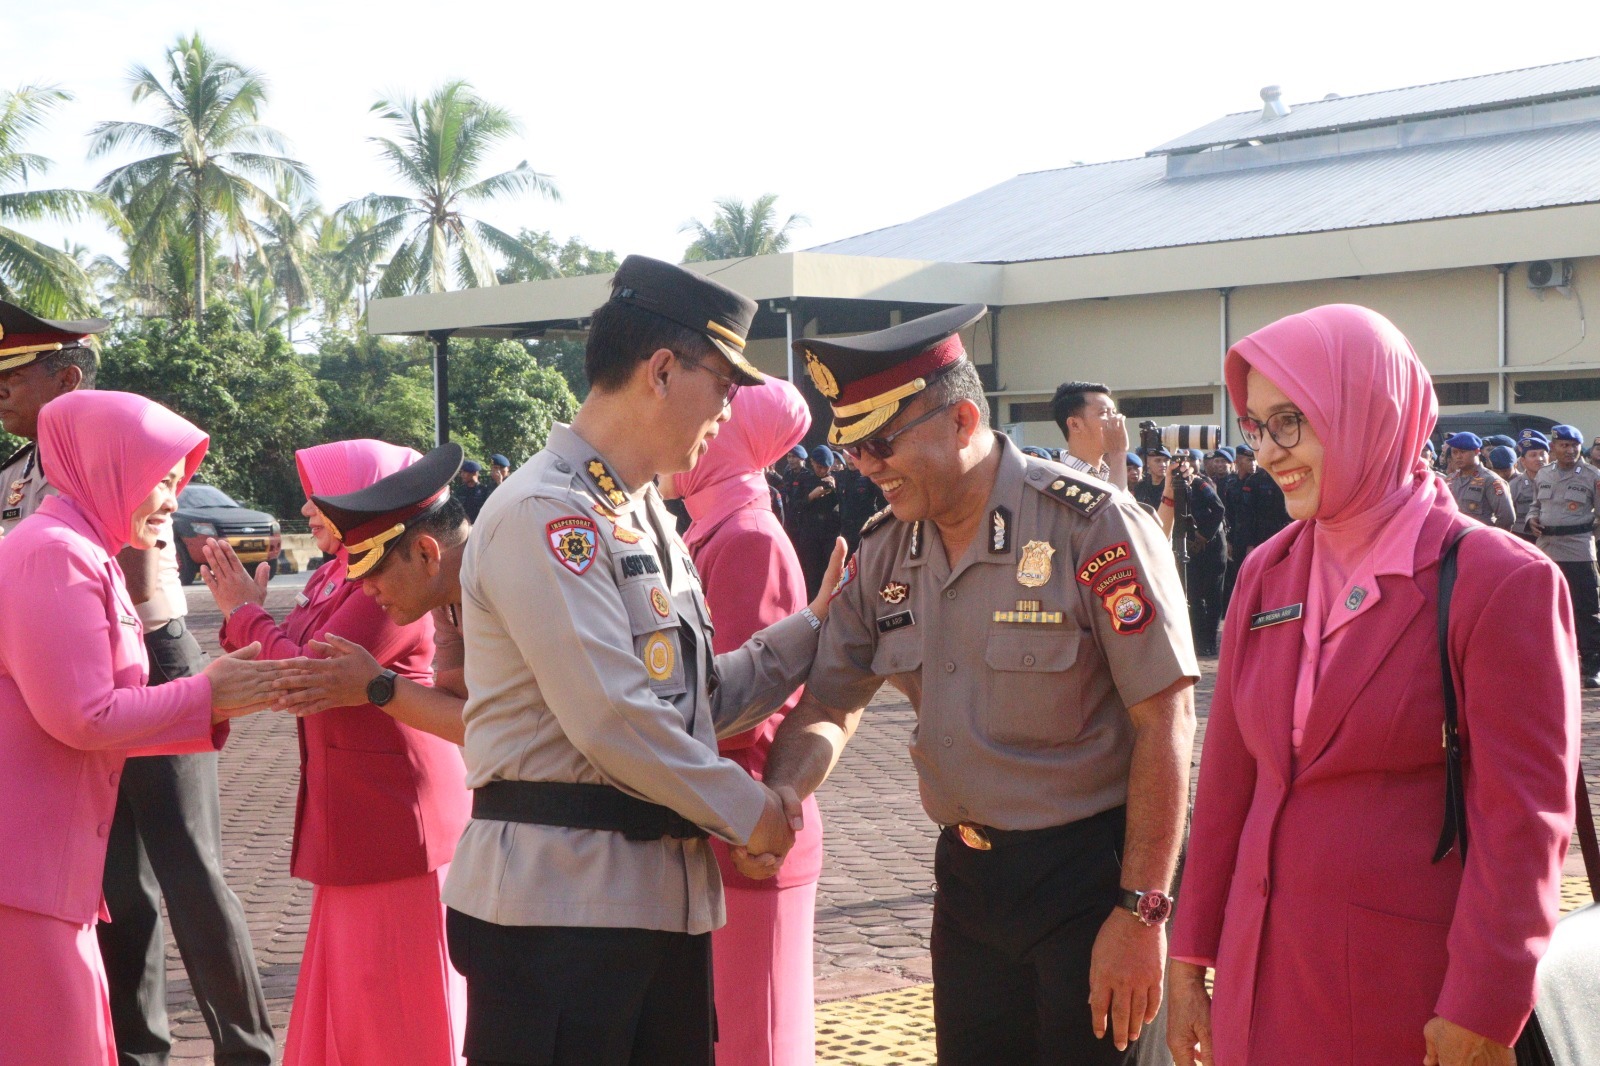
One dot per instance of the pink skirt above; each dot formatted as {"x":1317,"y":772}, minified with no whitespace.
{"x":376,"y":985}
{"x":53,"y":1002}
{"x":762,"y":973}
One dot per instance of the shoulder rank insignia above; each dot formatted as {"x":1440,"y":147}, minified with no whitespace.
{"x":916,"y":540}
{"x":608,"y":483}
{"x":18,"y":454}
{"x":1078,"y":495}
{"x":999,"y":531}
{"x":876,"y":522}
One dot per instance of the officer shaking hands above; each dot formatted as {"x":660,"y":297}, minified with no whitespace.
{"x":1034,"y":618}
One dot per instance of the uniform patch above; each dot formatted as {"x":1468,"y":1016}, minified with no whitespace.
{"x":894,"y":592}
{"x":892,"y":622}
{"x":1277,"y":616}
{"x":1102,"y":559}
{"x":573,"y":539}
{"x":1033,"y":569}
{"x":1130,"y":611}
{"x":999,"y":531}
{"x":607,"y":481}
{"x":847,"y":575}
{"x":658,"y":602}
{"x":1028,"y":611}
{"x":659,"y":657}
{"x":876,"y":522}
{"x":1081,"y":497}
{"x":639,"y":565}
{"x":624,"y":534}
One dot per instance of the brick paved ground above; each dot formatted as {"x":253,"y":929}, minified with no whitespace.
{"x":873,"y":905}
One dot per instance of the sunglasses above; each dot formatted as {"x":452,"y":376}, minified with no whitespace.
{"x":731,"y":384}
{"x":1283,"y":428}
{"x":883,"y":447}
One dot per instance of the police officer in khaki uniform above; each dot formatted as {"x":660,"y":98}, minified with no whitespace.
{"x":1563,"y":518}
{"x":1479,"y":491}
{"x":165,"y":837}
{"x":1034,"y":618}
{"x":583,"y":892}
{"x":1534,"y":451}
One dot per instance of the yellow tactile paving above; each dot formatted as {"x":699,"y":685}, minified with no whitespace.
{"x":897,"y":1027}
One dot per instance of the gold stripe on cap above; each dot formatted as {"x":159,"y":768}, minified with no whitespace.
{"x":14,"y":357}
{"x":857,"y":430}
{"x":374,"y":546}
{"x":726,"y":334}
{"x":908,"y":389}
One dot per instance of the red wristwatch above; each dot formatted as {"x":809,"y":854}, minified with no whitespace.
{"x":1152,"y":908}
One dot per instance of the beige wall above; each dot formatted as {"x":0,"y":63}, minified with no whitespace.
{"x":1129,"y":342}
{"x":1546,"y":327}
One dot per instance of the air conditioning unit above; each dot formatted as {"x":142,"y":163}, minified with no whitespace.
{"x":1549,"y":274}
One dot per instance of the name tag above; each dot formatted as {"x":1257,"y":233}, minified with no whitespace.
{"x":302,"y":600}
{"x":130,"y":622}
{"x":890,"y":623}
{"x":1277,"y":616}
{"x":9,"y":513}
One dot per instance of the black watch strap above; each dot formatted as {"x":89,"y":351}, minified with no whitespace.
{"x":380,"y":690}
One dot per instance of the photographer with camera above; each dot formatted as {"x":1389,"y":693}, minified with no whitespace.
{"x":1196,"y":527}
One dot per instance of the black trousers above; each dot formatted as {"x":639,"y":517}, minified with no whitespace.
{"x":1205,"y":601}
{"x":1013,"y":930}
{"x":166,"y":840}
{"x":1584,"y":582}
{"x":566,"y":996}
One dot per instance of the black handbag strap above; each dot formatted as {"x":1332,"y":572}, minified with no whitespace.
{"x":1455,"y":789}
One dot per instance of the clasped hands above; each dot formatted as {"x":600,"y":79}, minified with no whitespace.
{"x":773,"y":835}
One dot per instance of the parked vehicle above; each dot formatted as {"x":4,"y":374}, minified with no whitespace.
{"x":206,"y":511}
{"x":1488,"y":423}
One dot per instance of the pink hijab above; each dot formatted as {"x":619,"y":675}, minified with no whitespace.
{"x":105,"y":451}
{"x":348,"y":466}
{"x":767,"y":420}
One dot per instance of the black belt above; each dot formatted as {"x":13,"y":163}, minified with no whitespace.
{"x":1569,"y":531}
{"x":577,"y":806}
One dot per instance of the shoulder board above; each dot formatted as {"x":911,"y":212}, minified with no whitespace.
{"x":18,"y":454}
{"x":878,"y":520}
{"x":1082,"y":496}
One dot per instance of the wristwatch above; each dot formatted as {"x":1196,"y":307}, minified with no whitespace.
{"x":1152,"y":908}
{"x":380,"y":690}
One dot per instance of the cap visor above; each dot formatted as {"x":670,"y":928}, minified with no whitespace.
{"x":743,"y":372}
{"x":864,"y":426}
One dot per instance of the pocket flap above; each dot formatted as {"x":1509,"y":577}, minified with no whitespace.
{"x":1052,"y":651}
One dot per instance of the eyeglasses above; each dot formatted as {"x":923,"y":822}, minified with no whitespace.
{"x":732,"y":384}
{"x":1283,"y":428}
{"x":883,"y":447}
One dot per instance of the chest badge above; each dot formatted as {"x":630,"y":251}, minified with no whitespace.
{"x":1033,"y":569}
{"x":894,"y":592}
{"x":1352,"y":601}
{"x":14,"y":497}
{"x":658,"y":602}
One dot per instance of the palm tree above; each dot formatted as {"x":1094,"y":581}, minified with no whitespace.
{"x":210,"y":147}
{"x":47,"y":280}
{"x":438,"y":150}
{"x":288,"y":243}
{"x":739,"y":230}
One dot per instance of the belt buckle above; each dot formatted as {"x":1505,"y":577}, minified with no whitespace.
{"x":973,"y":836}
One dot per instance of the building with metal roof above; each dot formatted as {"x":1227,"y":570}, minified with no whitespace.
{"x":1467,"y":211}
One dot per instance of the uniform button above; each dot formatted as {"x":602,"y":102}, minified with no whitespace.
{"x":1036,"y":474}
{"x":1027,"y":660}
{"x":949,"y":594}
{"x":949,"y":668}
{"x":947,"y":742}
{"x":562,"y":466}
{"x":103,"y":828}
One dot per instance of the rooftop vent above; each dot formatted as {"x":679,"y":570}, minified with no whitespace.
{"x":1272,"y":105}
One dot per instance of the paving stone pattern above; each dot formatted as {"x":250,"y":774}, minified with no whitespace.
{"x":873,"y":903}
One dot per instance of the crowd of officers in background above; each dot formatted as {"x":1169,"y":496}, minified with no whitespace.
{"x":1219,"y":506}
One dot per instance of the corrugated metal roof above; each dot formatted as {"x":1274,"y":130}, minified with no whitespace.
{"x":1131,"y":204}
{"x":1487,"y":90}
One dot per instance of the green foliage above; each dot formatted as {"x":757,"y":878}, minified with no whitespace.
{"x":740,"y":230}
{"x":565,"y":357}
{"x":546,"y":259}
{"x":376,"y":387}
{"x":504,"y":399}
{"x":251,"y":392}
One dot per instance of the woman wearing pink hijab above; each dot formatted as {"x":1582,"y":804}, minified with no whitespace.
{"x":380,"y":808}
{"x":761,"y":959}
{"x":1309,"y":883}
{"x":73,"y":705}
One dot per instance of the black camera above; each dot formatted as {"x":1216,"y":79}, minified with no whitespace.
{"x":1174,"y":438}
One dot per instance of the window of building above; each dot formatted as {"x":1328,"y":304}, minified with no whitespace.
{"x":1187,"y":403}
{"x":1557,"y":390}
{"x":1462,"y":393}
{"x":1030,"y":412}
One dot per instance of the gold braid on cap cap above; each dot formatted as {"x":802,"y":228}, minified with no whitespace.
{"x":15,"y":357}
{"x":726,"y":334}
{"x":374,"y":547}
{"x":857,"y":430}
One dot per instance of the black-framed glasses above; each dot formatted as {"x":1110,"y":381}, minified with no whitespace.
{"x":883,"y":447}
{"x":1283,"y":428}
{"x":732,"y":384}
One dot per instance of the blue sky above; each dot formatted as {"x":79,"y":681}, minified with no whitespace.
{"x":859,"y":115}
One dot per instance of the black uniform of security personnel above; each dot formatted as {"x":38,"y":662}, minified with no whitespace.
{"x":166,"y":834}
{"x":1033,"y":616}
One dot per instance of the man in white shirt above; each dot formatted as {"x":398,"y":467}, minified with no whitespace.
{"x":1096,"y":434}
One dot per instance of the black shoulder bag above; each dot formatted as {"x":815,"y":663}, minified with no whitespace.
{"x":1564,"y":1029}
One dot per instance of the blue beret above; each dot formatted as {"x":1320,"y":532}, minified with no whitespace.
{"x":1134,"y":460}
{"x":1501,"y":457}
{"x":472,"y":466}
{"x":499,"y":460}
{"x":1533,"y":444}
{"x":1469,"y":441}
{"x":798,"y":451}
{"x":1566,"y":433}
{"x":1223,"y":453}
{"x":1037,"y":453}
{"x":1243,"y":449}
{"x":1152,"y":453}
{"x":822,"y":454}
{"x":1500,"y":440}
{"x":1530,"y":436}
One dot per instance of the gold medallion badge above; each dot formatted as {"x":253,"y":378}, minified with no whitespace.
{"x":658,"y":657}
{"x":822,"y":377}
{"x":1033,"y":569}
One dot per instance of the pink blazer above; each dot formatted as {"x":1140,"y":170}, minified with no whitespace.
{"x":73,"y":705}
{"x":378,"y":800}
{"x":1334,"y":937}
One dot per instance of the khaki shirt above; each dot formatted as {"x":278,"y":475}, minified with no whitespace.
{"x":590,"y":662}
{"x":1022,"y":657}
{"x":1523,"y":492}
{"x":22,"y":487}
{"x":1567,"y":498}
{"x":1482,"y":494}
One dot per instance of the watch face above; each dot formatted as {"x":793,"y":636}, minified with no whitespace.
{"x":1154,"y":908}
{"x":380,"y":690}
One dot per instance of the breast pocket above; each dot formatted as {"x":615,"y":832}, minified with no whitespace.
{"x":656,"y":639}
{"x":1035,"y":693}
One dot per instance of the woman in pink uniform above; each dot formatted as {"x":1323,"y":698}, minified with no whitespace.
{"x":762,"y":958}
{"x":1309,"y":883}
{"x":73,"y":705}
{"x":380,"y":808}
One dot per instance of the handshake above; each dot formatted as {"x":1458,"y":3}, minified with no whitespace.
{"x":773,"y":835}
